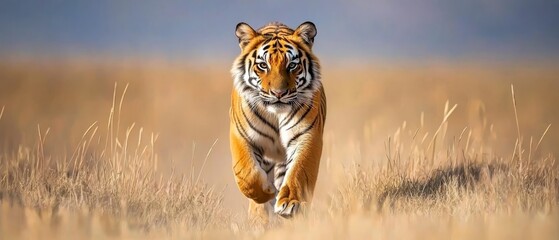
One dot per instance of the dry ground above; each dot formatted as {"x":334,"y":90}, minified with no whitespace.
{"x":413,"y":151}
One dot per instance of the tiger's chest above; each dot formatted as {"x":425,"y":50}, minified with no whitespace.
{"x":273,"y":151}
{"x":272,"y":139}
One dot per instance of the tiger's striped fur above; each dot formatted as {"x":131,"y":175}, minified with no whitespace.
{"x":277,"y":116}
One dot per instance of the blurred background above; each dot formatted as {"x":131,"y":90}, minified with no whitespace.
{"x":202,"y":30}
{"x":388,"y":67}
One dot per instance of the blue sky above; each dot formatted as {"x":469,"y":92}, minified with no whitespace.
{"x":353,"y":28}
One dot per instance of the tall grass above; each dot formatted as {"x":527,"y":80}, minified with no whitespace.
{"x":427,"y":183}
{"x":455,"y":192}
{"x":107,"y":179}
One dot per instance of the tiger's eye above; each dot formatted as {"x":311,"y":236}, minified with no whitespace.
{"x":263,"y":65}
{"x":292,"y":66}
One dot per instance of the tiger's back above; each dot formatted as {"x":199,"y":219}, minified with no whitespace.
{"x":277,"y":116}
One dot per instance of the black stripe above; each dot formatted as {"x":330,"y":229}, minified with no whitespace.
{"x":301,"y":133}
{"x":237,"y":174}
{"x":268,"y":39}
{"x":244,"y":135}
{"x":258,"y":154}
{"x":261,"y":118}
{"x":240,"y":128}
{"x":269,"y":170}
{"x":304,"y":69}
{"x":302,"y":117}
{"x":311,"y":68}
{"x":255,"y":129}
{"x":309,"y":57}
{"x":290,"y":158}
{"x":303,"y":82}
{"x":281,"y":174}
{"x":250,"y":79}
{"x":246,"y":88}
{"x":291,"y":115}
{"x":235,"y":166}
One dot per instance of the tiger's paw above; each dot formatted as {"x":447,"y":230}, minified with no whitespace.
{"x":287,"y":209}
{"x":288,"y":203}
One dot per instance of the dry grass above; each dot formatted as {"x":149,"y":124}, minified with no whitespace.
{"x":119,"y":187}
{"x":445,"y":175}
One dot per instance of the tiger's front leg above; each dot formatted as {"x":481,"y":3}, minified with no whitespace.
{"x":301,"y":173}
{"x":251,"y":178}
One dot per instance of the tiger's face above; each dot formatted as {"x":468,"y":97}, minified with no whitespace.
{"x":276,"y":66}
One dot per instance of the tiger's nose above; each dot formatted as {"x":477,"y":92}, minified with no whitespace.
{"x":279,"y":93}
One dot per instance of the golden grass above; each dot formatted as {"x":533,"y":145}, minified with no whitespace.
{"x":118,"y":186}
{"x":452,"y":175}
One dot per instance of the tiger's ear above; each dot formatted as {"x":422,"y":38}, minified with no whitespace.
{"x":245,"y":33}
{"x":306,"y":31}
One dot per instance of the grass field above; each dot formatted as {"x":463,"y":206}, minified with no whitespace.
{"x":139,"y":150}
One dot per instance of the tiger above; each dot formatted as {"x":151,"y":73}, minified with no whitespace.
{"x":277,"y":117}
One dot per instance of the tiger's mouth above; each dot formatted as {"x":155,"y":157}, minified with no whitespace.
{"x":278,"y":102}
{"x":271,"y":100}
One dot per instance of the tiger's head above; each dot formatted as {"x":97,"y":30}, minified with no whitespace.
{"x":276,"y":66}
